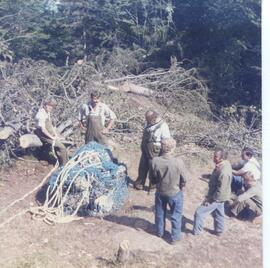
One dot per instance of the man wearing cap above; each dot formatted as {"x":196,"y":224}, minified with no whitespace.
{"x":47,"y":132}
{"x":154,"y":132}
{"x":169,"y":175}
{"x":92,"y":117}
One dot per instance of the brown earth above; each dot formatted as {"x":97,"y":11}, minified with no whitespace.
{"x":93,"y":242}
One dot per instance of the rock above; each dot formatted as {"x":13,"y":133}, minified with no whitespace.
{"x":123,"y":253}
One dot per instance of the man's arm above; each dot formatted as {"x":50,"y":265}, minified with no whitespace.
{"x":252,"y":191}
{"x":112,"y":117}
{"x":153,"y":173}
{"x":165,"y":131}
{"x":46,"y":132}
{"x":81,"y":116}
{"x":240,"y":164}
{"x":183,"y":176}
{"x":109,"y":126}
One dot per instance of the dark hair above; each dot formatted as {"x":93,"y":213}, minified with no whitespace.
{"x":224,"y":154}
{"x":152,"y":114}
{"x":95,"y":93}
{"x":49,"y":101}
{"x":248,"y":151}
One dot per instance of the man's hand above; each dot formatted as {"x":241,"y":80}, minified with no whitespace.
{"x":205,"y":202}
{"x":82,"y":127}
{"x":105,"y":131}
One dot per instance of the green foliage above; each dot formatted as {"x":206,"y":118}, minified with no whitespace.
{"x":222,"y":38}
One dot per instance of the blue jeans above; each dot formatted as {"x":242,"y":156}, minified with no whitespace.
{"x":237,"y":183}
{"x":217,"y":211}
{"x":176,"y":207}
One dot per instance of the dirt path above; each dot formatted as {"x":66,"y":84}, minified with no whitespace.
{"x":93,"y":242}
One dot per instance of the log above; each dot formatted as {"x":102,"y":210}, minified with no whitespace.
{"x":30,"y":140}
{"x":132,"y":88}
{"x":123,"y":253}
{"x":129,"y":87}
{"x":6,"y":132}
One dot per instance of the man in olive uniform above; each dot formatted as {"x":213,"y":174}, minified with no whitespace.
{"x":250,"y":199}
{"x":154,"y":132}
{"x":92,"y":117}
{"x":47,"y":133}
{"x":219,"y":192}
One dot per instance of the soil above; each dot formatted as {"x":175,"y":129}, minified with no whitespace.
{"x":94,"y":242}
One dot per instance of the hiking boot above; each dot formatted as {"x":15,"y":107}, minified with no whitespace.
{"x":219,"y":234}
{"x":175,"y":242}
{"x":138,"y":186}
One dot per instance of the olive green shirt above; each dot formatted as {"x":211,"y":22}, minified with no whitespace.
{"x":254,"y":193}
{"x":220,"y":183}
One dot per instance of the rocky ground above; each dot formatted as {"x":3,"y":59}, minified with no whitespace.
{"x":94,"y":242}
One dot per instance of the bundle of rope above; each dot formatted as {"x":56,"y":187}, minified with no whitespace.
{"x":92,"y":183}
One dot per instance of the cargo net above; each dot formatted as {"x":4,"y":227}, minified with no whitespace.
{"x":92,"y":183}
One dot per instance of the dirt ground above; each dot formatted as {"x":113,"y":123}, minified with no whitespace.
{"x":93,"y":242}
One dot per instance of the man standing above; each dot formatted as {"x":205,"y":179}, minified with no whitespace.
{"x":219,"y":192}
{"x":168,"y":173}
{"x":154,"y":132}
{"x":92,"y":118}
{"x":248,"y":164}
{"x":47,"y":133}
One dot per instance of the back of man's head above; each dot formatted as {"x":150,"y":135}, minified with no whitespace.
{"x":248,"y":152}
{"x":151,"y":116}
{"x":168,"y":145}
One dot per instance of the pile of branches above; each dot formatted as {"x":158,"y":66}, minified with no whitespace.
{"x":179,"y":94}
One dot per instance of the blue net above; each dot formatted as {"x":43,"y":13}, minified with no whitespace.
{"x":93,"y":182}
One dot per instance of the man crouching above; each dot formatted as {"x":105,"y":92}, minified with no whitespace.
{"x":168,"y":173}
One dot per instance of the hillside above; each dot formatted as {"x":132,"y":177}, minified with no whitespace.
{"x":93,"y":242}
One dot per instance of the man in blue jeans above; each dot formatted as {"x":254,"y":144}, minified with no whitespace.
{"x":168,"y":173}
{"x":219,"y":192}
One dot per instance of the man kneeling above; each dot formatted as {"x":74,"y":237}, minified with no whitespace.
{"x":168,"y":173}
{"x":250,"y":200}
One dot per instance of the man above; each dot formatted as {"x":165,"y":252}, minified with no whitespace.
{"x":219,"y":192}
{"x":154,"y":132}
{"x":249,"y":200}
{"x":168,"y":173}
{"x":92,"y":118}
{"x":47,"y":133}
{"x":248,"y":164}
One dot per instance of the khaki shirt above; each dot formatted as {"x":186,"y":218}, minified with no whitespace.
{"x":254,"y":193}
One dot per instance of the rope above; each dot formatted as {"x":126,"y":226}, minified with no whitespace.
{"x":92,"y":165}
{"x":30,"y":192}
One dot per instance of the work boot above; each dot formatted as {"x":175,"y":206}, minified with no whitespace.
{"x":138,"y":186}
